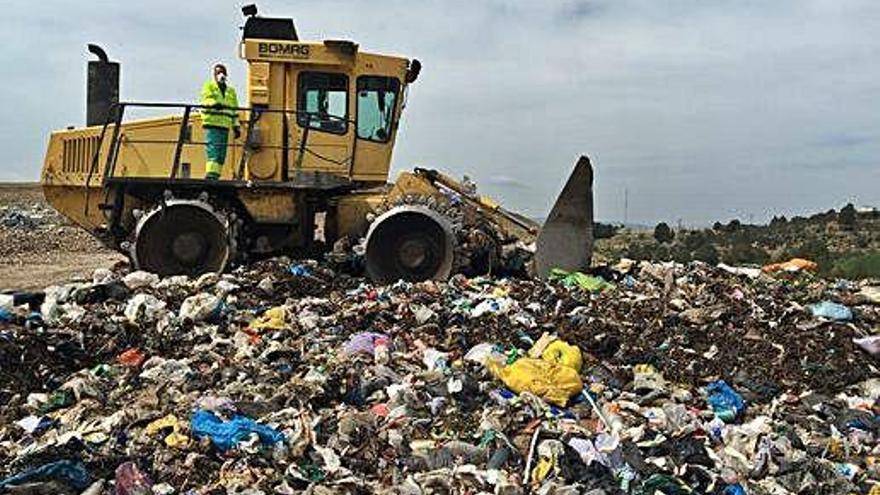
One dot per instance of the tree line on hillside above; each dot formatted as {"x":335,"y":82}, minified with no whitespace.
{"x":844,"y":243}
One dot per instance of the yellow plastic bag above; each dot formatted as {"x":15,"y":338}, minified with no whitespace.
{"x":542,"y":469}
{"x":561,"y":352}
{"x":549,"y":452}
{"x":550,"y":348}
{"x":175,"y":438}
{"x":169,"y":421}
{"x":550,"y":381}
{"x":272,"y":319}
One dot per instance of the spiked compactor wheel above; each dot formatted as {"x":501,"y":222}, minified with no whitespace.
{"x":182,"y":237}
{"x":410,"y":243}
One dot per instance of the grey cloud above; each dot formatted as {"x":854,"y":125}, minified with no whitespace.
{"x":578,"y":10}
{"x":506,"y":182}
{"x":844,"y":140}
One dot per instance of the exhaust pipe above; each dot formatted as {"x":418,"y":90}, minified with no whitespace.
{"x":102,"y":88}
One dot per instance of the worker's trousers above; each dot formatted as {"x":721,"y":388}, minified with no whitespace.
{"x":216,"y":139}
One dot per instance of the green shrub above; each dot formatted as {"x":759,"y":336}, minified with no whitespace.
{"x":662,"y":233}
{"x":857,"y":266}
{"x":707,"y":253}
{"x":639,"y":251}
{"x":744,"y":253}
{"x":847,"y":216}
{"x":604,"y":230}
{"x":813,"y":250}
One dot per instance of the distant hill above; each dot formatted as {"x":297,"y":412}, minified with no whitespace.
{"x":844,"y":243}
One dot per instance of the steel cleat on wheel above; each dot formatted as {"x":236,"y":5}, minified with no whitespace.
{"x":183,"y":237}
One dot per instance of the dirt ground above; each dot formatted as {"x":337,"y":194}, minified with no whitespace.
{"x":43,"y":248}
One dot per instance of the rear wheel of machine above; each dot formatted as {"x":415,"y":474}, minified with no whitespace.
{"x":182,"y":240}
{"x":409,"y":244}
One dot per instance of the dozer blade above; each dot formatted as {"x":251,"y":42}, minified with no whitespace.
{"x":566,"y":238}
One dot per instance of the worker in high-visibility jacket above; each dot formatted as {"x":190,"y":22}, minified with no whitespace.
{"x":218,"y":117}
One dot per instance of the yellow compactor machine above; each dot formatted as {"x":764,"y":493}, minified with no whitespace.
{"x":309,"y":175}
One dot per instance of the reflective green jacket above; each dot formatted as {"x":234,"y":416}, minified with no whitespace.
{"x":224,"y":117}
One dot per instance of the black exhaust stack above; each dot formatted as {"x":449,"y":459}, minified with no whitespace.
{"x":102,"y":88}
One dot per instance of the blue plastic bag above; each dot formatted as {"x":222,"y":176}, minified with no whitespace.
{"x":832,"y":310}
{"x":71,"y":473}
{"x":726,"y":403}
{"x":734,"y":489}
{"x":299,"y":271}
{"x":226,"y":434}
{"x":6,"y":315}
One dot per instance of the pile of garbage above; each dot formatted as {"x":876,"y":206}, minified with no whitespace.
{"x":28,"y":217}
{"x":287,"y":377}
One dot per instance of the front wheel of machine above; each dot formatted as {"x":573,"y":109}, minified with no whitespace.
{"x":411,"y":243}
{"x":182,"y":239}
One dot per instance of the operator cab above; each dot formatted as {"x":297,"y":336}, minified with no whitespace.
{"x":347,"y":103}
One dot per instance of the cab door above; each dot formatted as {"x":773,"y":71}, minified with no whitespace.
{"x":377,"y":110}
{"x":320,"y":127}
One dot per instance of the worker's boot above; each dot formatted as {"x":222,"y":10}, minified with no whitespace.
{"x":212,"y":170}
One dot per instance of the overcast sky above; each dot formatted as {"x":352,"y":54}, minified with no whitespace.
{"x":702,"y":110}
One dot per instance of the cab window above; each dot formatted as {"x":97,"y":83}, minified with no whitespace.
{"x":323,"y":102}
{"x":376,"y":99}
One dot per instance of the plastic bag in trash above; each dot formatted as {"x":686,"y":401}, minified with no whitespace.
{"x":71,"y":473}
{"x":143,"y":308}
{"x":299,"y":270}
{"x":201,"y":307}
{"x":480,"y":353}
{"x":226,"y":434}
{"x":434,"y":359}
{"x":130,"y":480}
{"x":663,"y":483}
{"x":35,"y":424}
{"x":561,"y":352}
{"x":726,"y":403}
{"x":272,"y":319}
{"x":131,"y":357}
{"x":169,"y":424}
{"x":871,"y":293}
{"x":7,"y":302}
{"x":140,"y":279}
{"x":582,"y":280}
{"x":365,"y":342}
{"x":792,"y":265}
{"x":870,"y":344}
{"x":6,"y":315}
{"x":832,"y":310}
{"x":646,"y":379}
{"x":552,"y":382}
{"x":734,"y":489}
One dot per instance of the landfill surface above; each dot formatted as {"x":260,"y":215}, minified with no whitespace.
{"x":289,"y":377}
{"x":39,"y":247}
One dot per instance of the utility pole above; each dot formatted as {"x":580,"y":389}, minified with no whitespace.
{"x":625,"y":206}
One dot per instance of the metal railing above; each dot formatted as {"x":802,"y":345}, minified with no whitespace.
{"x":117,"y":113}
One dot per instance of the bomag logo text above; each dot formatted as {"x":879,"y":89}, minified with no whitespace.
{"x":283,"y":50}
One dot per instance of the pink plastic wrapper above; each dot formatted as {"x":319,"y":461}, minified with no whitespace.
{"x":365,"y":342}
{"x":132,"y":481}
